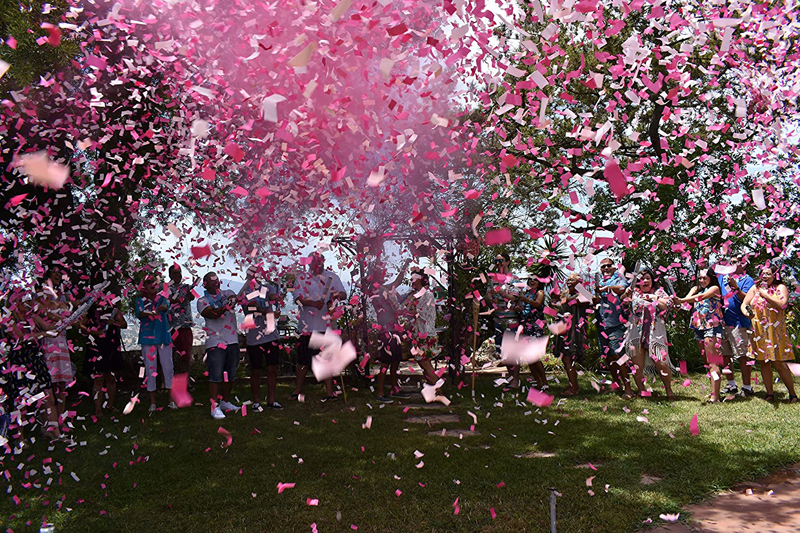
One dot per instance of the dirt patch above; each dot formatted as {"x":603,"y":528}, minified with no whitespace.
{"x":768,"y":505}
{"x":434,"y":419}
{"x":537,"y":455}
{"x":434,"y":405}
{"x":454,"y":433}
{"x":650,"y":480}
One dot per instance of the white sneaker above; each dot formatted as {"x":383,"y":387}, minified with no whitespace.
{"x":217,"y":413}
{"x":256,"y":407}
{"x":172,"y":405}
{"x":228,"y":406}
{"x":152,"y":408}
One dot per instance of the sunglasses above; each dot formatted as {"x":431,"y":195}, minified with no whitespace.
{"x":499,"y":260}
{"x":606,"y":266}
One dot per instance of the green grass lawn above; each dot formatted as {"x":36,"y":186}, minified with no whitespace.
{"x":170,"y":472}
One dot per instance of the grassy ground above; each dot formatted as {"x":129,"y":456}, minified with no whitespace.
{"x":170,"y":471}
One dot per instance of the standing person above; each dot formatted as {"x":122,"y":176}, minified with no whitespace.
{"x":736,"y":343}
{"x":27,"y":373}
{"x":647,"y":330}
{"x":315,"y":293}
{"x":180,"y":317}
{"x":765,"y":304}
{"x":611,"y":329}
{"x":218,"y":306}
{"x":263,"y":337}
{"x":421,"y":311}
{"x":151,"y":309}
{"x":533,"y":323}
{"x":52,"y":304}
{"x":570,"y":346}
{"x":707,"y":322}
{"x":502,"y":296}
{"x":387,"y":310}
{"x":102,"y":325}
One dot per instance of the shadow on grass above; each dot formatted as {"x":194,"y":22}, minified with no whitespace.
{"x":172,"y":471}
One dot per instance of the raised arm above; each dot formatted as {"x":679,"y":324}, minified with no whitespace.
{"x":400,"y":276}
{"x":778,"y":300}
{"x":748,"y":299}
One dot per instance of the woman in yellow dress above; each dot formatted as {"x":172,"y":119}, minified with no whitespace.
{"x":766,"y":303}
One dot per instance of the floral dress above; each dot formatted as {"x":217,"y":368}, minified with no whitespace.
{"x":420,"y":309}
{"x":55,"y":348}
{"x":646,"y":327}
{"x":769,"y":340}
{"x":533,"y":317}
{"x":708,"y":314}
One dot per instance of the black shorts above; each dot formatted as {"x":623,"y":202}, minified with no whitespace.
{"x":389,"y":348}
{"x":304,"y":352}
{"x":261,"y":353}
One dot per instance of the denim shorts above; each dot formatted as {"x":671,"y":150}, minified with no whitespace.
{"x":221,"y":360}
{"x":717,"y":332}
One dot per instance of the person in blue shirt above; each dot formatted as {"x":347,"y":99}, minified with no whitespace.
{"x":610,"y":288}
{"x":736,"y":341}
{"x":151,"y":309}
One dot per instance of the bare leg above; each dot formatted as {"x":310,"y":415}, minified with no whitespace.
{"x":329,"y":387}
{"x":226,"y":389}
{"x":537,"y":369}
{"x":302,"y":370}
{"x":514,"y":371}
{"x":53,"y":428}
{"x":97,"y":394}
{"x":766,"y":376}
{"x":61,"y":396}
{"x":624,"y":381}
{"x":786,"y":376}
{"x":666,"y":377}
{"x":747,"y":371}
{"x":153,"y":398}
{"x":272,"y":382}
{"x":213,"y":393}
{"x":712,"y":358}
{"x":111,"y":389}
{"x":427,"y":371}
{"x":255,"y":384}
{"x":382,"y":379}
{"x":638,"y":369}
{"x":572,"y":375}
{"x":393,"y":377}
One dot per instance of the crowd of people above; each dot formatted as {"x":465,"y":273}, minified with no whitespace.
{"x":733,"y":317}
{"x":38,"y":368}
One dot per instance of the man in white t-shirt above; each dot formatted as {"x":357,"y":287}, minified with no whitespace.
{"x":314,"y":292}
{"x":222,"y":342}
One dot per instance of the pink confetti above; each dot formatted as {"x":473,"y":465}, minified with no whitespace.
{"x":693,"y":429}
{"x":283,"y":486}
{"x":180,"y":390}
{"x":539,"y":398}
{"x":497,"y":237}
{"x":228,"y":438}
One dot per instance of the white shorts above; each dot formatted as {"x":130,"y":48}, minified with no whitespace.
{"x":736,"y":342}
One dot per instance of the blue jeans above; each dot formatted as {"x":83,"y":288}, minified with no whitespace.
{"x":221,"y":360}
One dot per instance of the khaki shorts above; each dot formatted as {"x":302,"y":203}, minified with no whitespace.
{"x":736,"y":342}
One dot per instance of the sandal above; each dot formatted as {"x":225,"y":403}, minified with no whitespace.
{"x":569,"y":392}
{"x":792,"y":398}
{"x":294,"y":397}
{"x":769,"y":398}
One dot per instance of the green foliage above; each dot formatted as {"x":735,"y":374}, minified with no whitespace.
{"x":22,"y":20}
